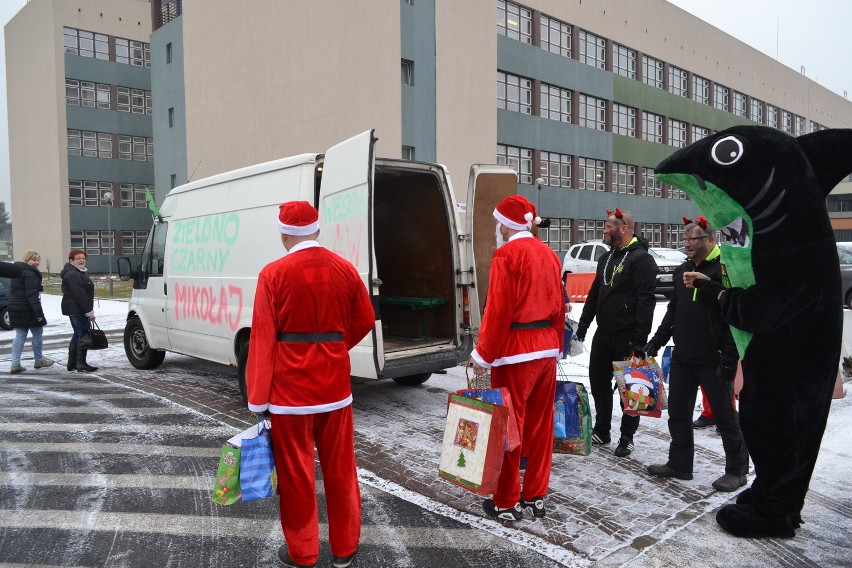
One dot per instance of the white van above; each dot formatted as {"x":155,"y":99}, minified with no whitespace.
{"x":395,"y":220}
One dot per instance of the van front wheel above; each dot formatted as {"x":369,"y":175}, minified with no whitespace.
{"x":136,"y":347}
{"x":413,"y":380}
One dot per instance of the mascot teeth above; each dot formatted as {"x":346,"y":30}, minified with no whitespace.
{"x":736,"y":233}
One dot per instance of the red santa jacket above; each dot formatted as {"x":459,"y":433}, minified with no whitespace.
{"x":524,"y":286}
{"x":309,"y":290}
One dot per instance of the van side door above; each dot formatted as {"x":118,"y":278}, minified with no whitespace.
{"x":151,"y":293}
{"x":346,"y":227}
{"x":487,"y":186}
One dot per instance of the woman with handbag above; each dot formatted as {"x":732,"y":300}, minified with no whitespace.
{"x":25,"y":313}
{"x":78,"y":297}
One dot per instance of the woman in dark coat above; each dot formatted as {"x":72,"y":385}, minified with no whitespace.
{"x":78,"y":299}
{"x":25,"y":313}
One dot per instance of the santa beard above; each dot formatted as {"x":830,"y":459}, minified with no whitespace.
{"x":498,"y":236}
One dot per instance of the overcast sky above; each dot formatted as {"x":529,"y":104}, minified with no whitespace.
{"x":813,"y":34}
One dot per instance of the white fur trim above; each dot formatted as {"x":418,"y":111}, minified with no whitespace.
{"x":316,"y":409}
{"x":523,"y":357}
{"x":298,"y":231}
{"x":509,"y":224}
{"x":537,"y":220}
{"x":528,"y":216}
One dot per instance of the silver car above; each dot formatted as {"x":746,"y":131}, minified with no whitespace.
{"x":844,"y":251}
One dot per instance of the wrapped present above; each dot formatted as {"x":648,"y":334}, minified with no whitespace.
{"x":501,"y":397}
{"x":474,"y":444}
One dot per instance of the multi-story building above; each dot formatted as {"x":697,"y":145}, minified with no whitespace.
{"x":81,"y":145}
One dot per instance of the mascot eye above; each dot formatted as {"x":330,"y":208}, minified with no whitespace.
{"x":727,"y":151}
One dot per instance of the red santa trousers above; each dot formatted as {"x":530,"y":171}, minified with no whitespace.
{"x":532,"y":385}
{"x":293,"y":440}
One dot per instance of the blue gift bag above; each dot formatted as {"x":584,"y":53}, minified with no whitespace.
{"x":258,"y":478}
{"x":566,"y":418}
{"x":667,"y":362}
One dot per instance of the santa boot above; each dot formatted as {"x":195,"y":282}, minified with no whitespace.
{"x":82,"y":366}
{"x":72,"y":356}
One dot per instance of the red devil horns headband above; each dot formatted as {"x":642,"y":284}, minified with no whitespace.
{"x":618,"y":214}
{"x":701,"y":221}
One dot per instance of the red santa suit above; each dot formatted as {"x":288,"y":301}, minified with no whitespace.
{"x":310,"y":308}
{"x":524,"y":290}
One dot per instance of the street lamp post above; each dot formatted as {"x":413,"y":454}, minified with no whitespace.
{"x":108,"y":199}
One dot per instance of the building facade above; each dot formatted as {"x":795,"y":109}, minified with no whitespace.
{"x":78,"y":81}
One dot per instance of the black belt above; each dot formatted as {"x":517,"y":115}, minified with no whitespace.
{"x":538,"y":324}
{"x":310,"y":337}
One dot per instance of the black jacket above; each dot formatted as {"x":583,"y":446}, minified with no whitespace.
{"x":78,"y":291}
{"x":622,"y":294}
{"x":24,"y":301}
{"x":701,"y":336}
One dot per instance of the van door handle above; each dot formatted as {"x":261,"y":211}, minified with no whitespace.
{"x":165,"y":289}
{"x":376,"y":282}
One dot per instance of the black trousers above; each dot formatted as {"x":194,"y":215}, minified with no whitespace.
{"x":605,"y":350}
{"x":684,"y":380}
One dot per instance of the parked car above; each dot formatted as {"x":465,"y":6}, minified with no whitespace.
{"x":844,"y":251}
{"x":670,"y":253}
{"x":5,"y":290}
{"x":583,"y":257}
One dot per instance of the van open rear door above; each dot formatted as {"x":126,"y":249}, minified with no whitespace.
{"x":346,"y":227}
{"x":488,"y":185}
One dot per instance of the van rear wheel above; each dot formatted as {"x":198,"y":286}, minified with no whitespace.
{"x":413,"y":380}
{"x":136,"y":347}
{"x":242,"y":361}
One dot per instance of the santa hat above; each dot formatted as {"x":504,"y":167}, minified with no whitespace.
{"x":297,"y":218}
{"x":516,"y":213}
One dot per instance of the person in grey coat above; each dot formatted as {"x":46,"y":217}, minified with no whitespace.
{"x":78,"y":298}
{"x":25,"y":313}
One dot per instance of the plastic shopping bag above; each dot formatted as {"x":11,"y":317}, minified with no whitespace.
{"x":226,"y":490}
{"x":258,"y":478}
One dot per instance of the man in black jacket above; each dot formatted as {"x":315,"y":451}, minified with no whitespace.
{"x":704,"y":355}
{"x":622,"y":300}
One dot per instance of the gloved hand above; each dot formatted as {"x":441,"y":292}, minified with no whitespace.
{"x":636,"y":349}
{"x":651,"y":349}
{"x":580,"y":334}
{"x":726,"y":373}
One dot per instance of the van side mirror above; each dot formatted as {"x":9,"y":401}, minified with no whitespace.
{"x":124,"y":268}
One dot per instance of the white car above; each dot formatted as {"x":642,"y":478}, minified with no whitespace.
{"x":583,"y":258}
{"x":670,"y":253}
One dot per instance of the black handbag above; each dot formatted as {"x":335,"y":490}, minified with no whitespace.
{"x":98,"y":337}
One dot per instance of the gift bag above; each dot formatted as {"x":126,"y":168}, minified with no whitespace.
{"x":572,"y":403}
{"x":474,"y":381}
{"x":258,"y":478}
{"x":568,"y":333}
{"x":226,"y":490}
{"x":640,"y":389}
{"x":500,"y":397}
{"x":474,"y":444}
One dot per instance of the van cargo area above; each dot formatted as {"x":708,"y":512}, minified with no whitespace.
{"x":414,"y":260}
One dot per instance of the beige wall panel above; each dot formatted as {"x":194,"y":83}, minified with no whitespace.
{"x":130,"y":19}
{"x":243,"y":106}
{"x":466,"y":53}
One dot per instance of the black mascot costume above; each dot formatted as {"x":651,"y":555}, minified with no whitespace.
{"x":767,"y":191}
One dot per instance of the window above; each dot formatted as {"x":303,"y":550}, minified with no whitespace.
{"x":592,"y":50}
{"x":756,"y":110}
{"x":104,"y":145}
{"x":169,"y":52}
{"x":514,"y":22}
{"x":514,"y":93}
{"x":555,"y":36}
{"x":133,"y":242}
{"x":592,"y":112}
{"x":72,"y":92}
{"x":125,"y":147}
{"x":623,"y":178}
{"x":699,"y":132}
{"x":677,"y":133}
{"x":520,"y":159}
{"x":651,"y":186}
{"x":172,"y":181}
{"x":816,"y":127}
{"x":407,"y":72}
{"x":589,"y":229}
{"x":787,"y":122}
{"x":133,"y":195}
{"x":652,"y":72}
{"x":591,"y":174}
{"x":740,"y":108}
{"x":674,"y":235}
{"x":623,"y":120}
{"x":678,"y":81}
{"x":700,"y":89}
{"x":799,"y":126}
{"x":653,"y":232}
{"x":132,"y":52}
{"x":558,"y":235}
{"x":87,"y":193}
{"x":136,"y":101}
{"x":674,"y":193}
{"x":87,"y":94}
{"x":74,"y":143}
{"x":772,"y":116}
{"x":91,"y":241}
{"x":90,"y":144}
{"x":623,"y":61}
{"x":652,"y":127}
{"x":555,"y":103}
{"x":408,"y":152}
{"x":86,"y":44}
{"x":720,"y":97}
{"x":555,"y":169}
{"x":171,"y":117}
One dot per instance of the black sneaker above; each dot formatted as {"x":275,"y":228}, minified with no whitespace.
{"x":598,"y":440}
{"x":285,"y":560}
{"x":343,"y":561}
{"x":512,"y":514}
{"x":703,"y":422}
{"x":535,"y":506}
{"x":624,"y":448}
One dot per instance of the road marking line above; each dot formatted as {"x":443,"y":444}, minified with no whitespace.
{"x":223,"y":432}
{"x":11,"y":448}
